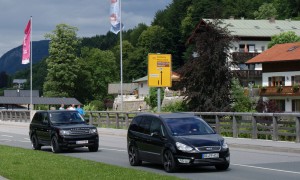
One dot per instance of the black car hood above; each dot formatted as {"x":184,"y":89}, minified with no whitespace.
{"x":71,"y":126}
{"x":200,"y":140}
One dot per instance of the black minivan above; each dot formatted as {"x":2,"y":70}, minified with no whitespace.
{"x":62,"y":129}
{"x":174,"y":140}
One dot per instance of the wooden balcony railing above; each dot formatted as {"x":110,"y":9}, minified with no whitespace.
{"x":248,"y":73}
{"x":242,"y":57}
{"x":279,"y":91}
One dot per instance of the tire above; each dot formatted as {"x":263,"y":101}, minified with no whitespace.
{"x":34,"y":143}
{"x":133,"y":156}
{"x":54,"y":145}
{"x":222,"y":167}
{"x":169,"y":162}
{"x":93,"y":148}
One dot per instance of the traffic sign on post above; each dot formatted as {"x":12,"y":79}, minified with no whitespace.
{"x":159,"y":70}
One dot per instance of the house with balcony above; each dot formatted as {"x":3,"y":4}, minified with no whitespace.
{"x":251,"y":37}
{"x":280,"y":75}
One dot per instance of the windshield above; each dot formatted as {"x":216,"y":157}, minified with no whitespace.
{"x":65,"y":117}
{"x":188,"y":126}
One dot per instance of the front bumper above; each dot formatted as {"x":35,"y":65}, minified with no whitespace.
{"x":72,"y":141}
{"x":195,"y":159}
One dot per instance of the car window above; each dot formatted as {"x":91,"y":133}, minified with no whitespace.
{"x":145,"y":125}
{"x":36,"y":118}
{"x":44,"y":117}
{"x":188,"y":126}
{"x":65,"y":117}
{"x":134,"y":125}
{"x":156,"y":126}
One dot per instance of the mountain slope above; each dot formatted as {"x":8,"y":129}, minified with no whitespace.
{"x":10,"y":62}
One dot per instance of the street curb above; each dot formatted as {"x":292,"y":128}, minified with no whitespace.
{"x":264,"y":148}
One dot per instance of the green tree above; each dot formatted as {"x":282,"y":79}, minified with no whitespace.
{"x":285,"y":37}
{"x":103,"y":69}
{"x":207,"y":78}
{"x":136,"y":32}
{"x":155,"y":39}
{"x":241,"y":8}
{"x":127,"y":49}
{"x":137,"y":64}
{"x":62,"y":62}
{"x":265,"y":11}
{"x":288,"y":9}
{"x":240,"y":102}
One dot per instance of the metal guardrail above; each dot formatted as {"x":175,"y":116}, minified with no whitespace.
{"x":273,"y":126}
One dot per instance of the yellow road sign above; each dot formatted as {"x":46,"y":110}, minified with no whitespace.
{"x":159,"y":70}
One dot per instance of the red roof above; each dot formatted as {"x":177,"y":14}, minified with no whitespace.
{"x":279,"y":52}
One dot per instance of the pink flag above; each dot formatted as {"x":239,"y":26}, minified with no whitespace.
{"x":26,"y":44}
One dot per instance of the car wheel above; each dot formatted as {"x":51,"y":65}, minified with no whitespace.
{"x":169,"y":161}
{"x":222,"y":167}
{"x":93,"y":148}
{"x":34,"y":143}
{"x":133,"y":156}
{"x":54,"y":145}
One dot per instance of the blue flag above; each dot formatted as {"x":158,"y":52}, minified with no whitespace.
{"x":115,"y":17}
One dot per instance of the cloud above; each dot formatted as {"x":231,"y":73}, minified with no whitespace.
{"x":91,"y":17}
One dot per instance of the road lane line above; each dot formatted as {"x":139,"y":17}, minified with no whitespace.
{"x":121,"y":150}
{"x":270,"y":169}
{"x":7,"y":136}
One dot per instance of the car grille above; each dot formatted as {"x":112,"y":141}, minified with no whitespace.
{"x":79,"y":131}
{"x":209,"y":148}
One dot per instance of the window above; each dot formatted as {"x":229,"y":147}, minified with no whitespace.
{"x":295,"y":80}
{"x":145,"y":125}
{"x":262,"y":48}
{"x":134,"y":126}
{"x":277,"y":81}
{"x":280,"y":104}
{"x":37,"y":118}
{"x":296,"y":105}
{"x":156,"y":126}
{"x":142,"y":85}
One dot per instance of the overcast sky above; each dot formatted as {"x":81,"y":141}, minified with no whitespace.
{"x":91,"y":17}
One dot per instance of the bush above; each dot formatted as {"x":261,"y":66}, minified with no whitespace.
{"x":95,"y":105}
{"x":177,"y":106}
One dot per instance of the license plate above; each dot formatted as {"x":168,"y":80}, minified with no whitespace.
{"x":210,"y":155}
{"x":82,"y":142}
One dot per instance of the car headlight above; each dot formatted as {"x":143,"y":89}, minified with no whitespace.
{"x":64,"y":132}
{"x":224,"y":145}
{"x":183,"y":147}
{"x":93,"y":131}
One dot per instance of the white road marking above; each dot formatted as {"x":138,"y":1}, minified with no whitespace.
{"x":120,"y":150}
{"x":7,"y":136}
{"x":270,"y":169}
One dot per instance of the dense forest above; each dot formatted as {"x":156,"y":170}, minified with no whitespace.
{"x":98,"y":57}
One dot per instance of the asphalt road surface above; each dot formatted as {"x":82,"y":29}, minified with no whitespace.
{"x":245,"y":163}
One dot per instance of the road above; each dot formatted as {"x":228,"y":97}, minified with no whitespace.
{"x":245,"y":163}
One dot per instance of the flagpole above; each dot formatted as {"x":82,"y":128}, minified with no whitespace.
{"x":31,"y":105}
{"x":121,"y":58}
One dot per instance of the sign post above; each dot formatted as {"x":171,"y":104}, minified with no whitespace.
{"x":159,"y":73}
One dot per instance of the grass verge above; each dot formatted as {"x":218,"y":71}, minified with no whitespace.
{"x":18,"y":163}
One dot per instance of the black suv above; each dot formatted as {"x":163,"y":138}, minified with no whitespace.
{"x":62,"y":129}
{"x":174,"y":140}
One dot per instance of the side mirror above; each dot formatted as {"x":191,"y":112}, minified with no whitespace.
{"x":155,"y":134}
